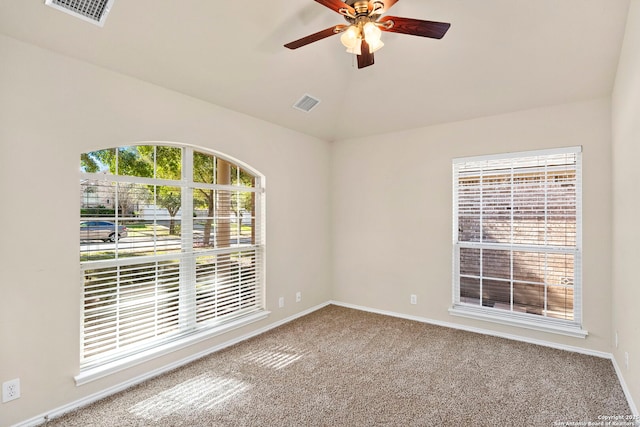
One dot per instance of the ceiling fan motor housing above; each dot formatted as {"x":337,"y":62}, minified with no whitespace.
{"x":361,"y":7}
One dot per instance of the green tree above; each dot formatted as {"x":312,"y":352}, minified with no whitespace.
{"x":204,"y":167}
{"x":170,"y":199}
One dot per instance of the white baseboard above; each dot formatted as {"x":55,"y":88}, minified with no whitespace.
{"x":58,"y":412}
{"x":625,"y":389}
{"x":478,"y":330}
{"x":627,"y":393}
{"x":55,"y":413}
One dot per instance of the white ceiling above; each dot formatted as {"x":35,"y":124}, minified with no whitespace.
{"x":498,"y":56}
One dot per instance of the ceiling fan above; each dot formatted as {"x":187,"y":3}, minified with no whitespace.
{"x":366,"y":23}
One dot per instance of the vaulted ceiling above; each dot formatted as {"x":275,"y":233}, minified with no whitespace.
{"x":498,"y":56}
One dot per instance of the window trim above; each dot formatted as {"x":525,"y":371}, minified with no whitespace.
{"x":573,"y":327}
{"x":519,"y":320}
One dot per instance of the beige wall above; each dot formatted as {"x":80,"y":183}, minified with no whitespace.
{"x":52,"y":109}
{"x":375,"y":212}
{"x":626,"y":204}
{"x":392,"y":212}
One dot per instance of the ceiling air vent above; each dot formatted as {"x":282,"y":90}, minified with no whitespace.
{"x":306,"y":103}
{"x":94,"y":11}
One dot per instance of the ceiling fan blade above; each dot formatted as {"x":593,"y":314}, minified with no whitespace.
{"x":415,"y":27}
{"x":336,"y":5}
{"x":387,"y":4}
{"x":315,"y":36}
{"x":366,"y":57}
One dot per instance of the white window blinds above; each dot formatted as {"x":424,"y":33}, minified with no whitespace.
{"x":517,"y":235}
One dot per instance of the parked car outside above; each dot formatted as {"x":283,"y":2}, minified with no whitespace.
{"x":101,"y":230}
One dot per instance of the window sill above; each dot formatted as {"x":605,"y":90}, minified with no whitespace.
{"x":523,"y":321}
{"x":96,"y":372}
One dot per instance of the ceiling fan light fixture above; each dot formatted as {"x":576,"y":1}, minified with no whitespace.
{"x":374,"y":47}
{"x":356,"y":49}
{"x":372,"y":35}
{"x":350,"y":37}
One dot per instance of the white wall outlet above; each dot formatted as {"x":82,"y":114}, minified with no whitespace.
{"x":414,"y":299}
{"x":626,"y":359}
{"x":281,"y":302}
{"x":10,"y":390}
{"x":298,"y":296}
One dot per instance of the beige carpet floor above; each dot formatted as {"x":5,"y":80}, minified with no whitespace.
{"x":344,"y":367}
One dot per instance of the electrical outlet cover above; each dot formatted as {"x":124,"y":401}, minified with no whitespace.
{"x":10,"y":390}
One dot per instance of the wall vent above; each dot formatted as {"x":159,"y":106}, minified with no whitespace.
{"x":306,"y":103}
{"x":94,"y":11}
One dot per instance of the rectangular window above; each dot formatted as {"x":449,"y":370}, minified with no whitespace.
{"x":517,"y":239}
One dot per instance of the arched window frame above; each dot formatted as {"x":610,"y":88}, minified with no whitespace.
{"x":147,"y":294}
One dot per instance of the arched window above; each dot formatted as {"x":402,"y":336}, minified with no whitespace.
{"x":171,"y":246}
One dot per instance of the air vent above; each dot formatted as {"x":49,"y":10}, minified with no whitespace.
{"x":94,"y":11}
{"x":306,"y":103}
